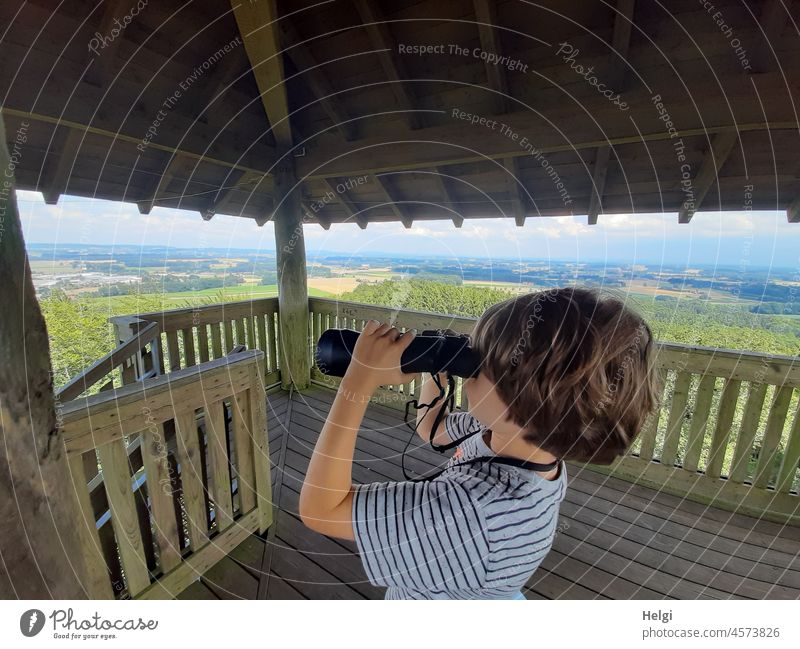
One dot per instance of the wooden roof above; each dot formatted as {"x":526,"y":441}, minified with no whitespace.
{"x":193,"y":105}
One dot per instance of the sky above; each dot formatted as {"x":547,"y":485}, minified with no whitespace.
{"x":740,"y":239}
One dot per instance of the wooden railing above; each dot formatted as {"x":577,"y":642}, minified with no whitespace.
{"x":132,"y":360}
{"x":727,"y":431}
{"x":171,"y":473}
{"x":196,"y":335}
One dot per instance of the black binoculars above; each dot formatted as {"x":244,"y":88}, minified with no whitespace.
{"x":430,"y":351}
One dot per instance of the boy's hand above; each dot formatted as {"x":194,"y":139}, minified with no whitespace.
{"x":376,"y":357}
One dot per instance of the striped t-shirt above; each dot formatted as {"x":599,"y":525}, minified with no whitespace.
{"x":477,"y":531}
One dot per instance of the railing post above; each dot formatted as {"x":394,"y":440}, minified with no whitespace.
{"x":125,"y":328}
{"x":292,"y":282}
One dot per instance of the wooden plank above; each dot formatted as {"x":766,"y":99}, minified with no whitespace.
{"x":231,"y":581}
{"x":117,"y":479}
{"x":242,"y":437}
{"x":260,"y":435}
{"x":260,"y":324}
{"x":272,"y":346}
{"x":173,"y":351}
{"x":677,"y":417}
{"x":226,"y":325}
{"x":197,"y":563}
{"x":216,"y":339}
{"x":722,"y":429}
{"x":240,"y":339}
{"x":250,"y":332}
{"x":159,"y":491}
{"x":699,"y":421}
{"x":202,"y":340}
{"x":650,"y":429}
{"x":208,"y":314}
{"x":719,"y":492}
{"x":98,"y":586}
{"x":95,"y":420}
{"x":219,"y":471}
{"x":188,"y":346}
{"x":101,"y":368}
{"x":189,"y":457}
{"x":791,"y":457}
{"x":747,"y":432}
{"x":772,"y":436}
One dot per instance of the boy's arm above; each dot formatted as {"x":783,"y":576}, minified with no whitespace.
{"x":326,"y":499}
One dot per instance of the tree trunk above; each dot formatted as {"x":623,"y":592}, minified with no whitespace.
{"x":39,"y":545}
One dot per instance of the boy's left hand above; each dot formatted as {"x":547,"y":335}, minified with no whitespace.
{"x":377,"y":354}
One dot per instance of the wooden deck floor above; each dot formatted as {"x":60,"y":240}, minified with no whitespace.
{"x":615,"y":540}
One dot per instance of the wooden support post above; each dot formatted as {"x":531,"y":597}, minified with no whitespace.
{"x":292,"y":282}
{"x":43,"y":557}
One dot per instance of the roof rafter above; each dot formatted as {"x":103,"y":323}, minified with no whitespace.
{"x":621,"y":44}
{"x":313,"y":215}
{"x":773,"y":19}
{"x":444,"y":188}
{"x":258,"y":27}
{"x":514,"y":181}
{"x":721,"y":146}
{"x":59,"y":179}
{"x":793,"y":211}
{"x":320,"y":86}
{"x":598,"y":183}
{"x":486,"y":16}
{"x":104,"y":58}
{"x":382,"y":40}
{"x":401,"y":214}
{"x":353,"y":212}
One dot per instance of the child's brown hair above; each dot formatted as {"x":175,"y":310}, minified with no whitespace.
{"x":574,"y":367}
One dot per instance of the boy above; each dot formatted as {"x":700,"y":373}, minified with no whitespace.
{"x":565,"y":374}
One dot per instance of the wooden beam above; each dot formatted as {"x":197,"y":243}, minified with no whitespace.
{"x":721,"y":146}
{"x":621,"y":42}
{"x":519,"y":201}
{"x":313,"y":216}
{"x":773,"y":19}
{"x":353,"y":212}
{"x":598,"y":183}
{"x":43,"y":532}
{"x":393,"y":68}
{"x":486,"y":17}
{"x":793,"y":211}
{"x":444,"y":188}
{"x":400,"y":213}
{"x":121,"y":137}
{"x":222,"y":197}
{"x":305,"y":62}
{"x":157,"y":182}
{"x":456,"y":142}
{"x":69,"y":147}
{"x":292,"y":281}
{"x":258,"y":26}
{"x":104,"y":54}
